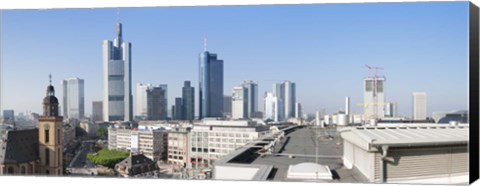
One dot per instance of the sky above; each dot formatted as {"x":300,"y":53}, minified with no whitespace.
{"x":322,"y":48}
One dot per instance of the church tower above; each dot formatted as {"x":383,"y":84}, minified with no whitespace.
{"x":50,"y":135}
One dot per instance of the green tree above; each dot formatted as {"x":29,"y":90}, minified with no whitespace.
{"x":102,"y":133}
{"x":108,"y":158}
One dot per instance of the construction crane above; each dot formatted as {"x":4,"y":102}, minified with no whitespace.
{"x":373,"y":73}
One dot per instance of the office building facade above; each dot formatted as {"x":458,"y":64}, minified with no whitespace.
{"x":419,"y":106}
{"x":141,"y":101}
{"x":188,"y":98}
{"x":117,"y":79}
{"x":156,"y":104}
{"x":210,"y":85}
{"x":252,"y":97}
{"x":97,"y":111}
{"x":73,"y":98}
{"x":239,"y":102}
{"x":227,"y":106}
{"x":273,"y":107}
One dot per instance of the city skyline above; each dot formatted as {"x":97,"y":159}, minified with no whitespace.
{"x":329,"y":54}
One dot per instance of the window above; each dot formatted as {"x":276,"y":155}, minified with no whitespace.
{"x":10,"y":170}
{"x":58,"y":137}
{"x":47,"y":157}
{"x":47,"y":135}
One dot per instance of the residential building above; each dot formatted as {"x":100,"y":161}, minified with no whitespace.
{"x":117,"y":79}
{"x":419,"y":106}
{"x":179,"y":147}
{"x":73,"y":98}
{"x":136,"y":165}
{"x":97,"y":111}
{"x":210,"y":85}
{"x":151,"y":143}
{"x":188,"y":98}
{"x":239,"y":102}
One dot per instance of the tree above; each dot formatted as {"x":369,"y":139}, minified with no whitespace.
{"x":102,"y":133}
{"x":108,"y":158}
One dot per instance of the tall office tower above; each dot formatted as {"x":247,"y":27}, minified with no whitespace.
{"x":178,"y":109}
{"x":374,"y":98}
{"x":210,"y":85}
{"x":155,"y":104}
{"x":73,"y":98}
{"x":419,"y":105}
{"x":117,"y":79}
{"x":239,"y":102}
{"x":50,"y":135}
{"x":227,"y":106}
{"x":272,"y":107}
{"x":188,"y":98}
{"x":298,"y":110}
{"x":165,"y":101}
{"x":141,"y":102}
{"x":286,"y":92}
{"x":290,"y":99}
{"x":252,"y":95}
{"x":390,"y":109}
{"x":97,"y":109}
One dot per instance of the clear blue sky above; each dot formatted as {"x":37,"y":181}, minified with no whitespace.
{"x":322,"y":48}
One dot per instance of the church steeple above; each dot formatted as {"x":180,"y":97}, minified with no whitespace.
{"x":50,"y":102}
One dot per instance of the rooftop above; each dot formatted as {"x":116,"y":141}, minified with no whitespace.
{"x":419,"y":135}
{"x":296,"y":148}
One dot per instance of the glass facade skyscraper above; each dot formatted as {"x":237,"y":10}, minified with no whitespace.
{"x":117,"y":79}
{"x":73,"y":98}
{"x":252,"y":95}
{"x":188,"y":98}
{"x":210,"y":85}
{"x":286,"y":93}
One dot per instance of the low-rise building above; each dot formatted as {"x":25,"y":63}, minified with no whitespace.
{"x":151,"y":143}
{"x":415,"y":154}
{"x":136,"y":165}
{"x":216,"y":138}
{"x":178,"y":147}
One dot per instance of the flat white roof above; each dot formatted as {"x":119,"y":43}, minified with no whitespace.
{"x":309,"y":170}
{"x":426,"y":135}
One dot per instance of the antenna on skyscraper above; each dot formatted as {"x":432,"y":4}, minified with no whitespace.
{"x":118,"y":15}
{"x":205,"y":43}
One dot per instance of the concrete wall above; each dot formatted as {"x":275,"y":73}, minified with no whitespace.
{"x":234,"y":173}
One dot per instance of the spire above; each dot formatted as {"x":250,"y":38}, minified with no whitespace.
{"x":118,"y":34}
{"x":205,"y":43}
{"x":50,"y":78}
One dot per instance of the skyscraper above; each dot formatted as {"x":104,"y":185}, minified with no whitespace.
{"x":210,"y":85}
{"x":286,"y":92}
{"x":165,"y":101}
{"x":188,"y":98}
{"x":97,"y":111}
{"x":298,"y":110}
{"x":227,"y":106}
{"x":419,"y":106}
{"x":178,"y":109}
{"x":252,"y":97}
{"x":73,"y":98}
{"x":239,"y":102}
{"x":374,"y":98}
{"x":141,"y":101}
{"x":155,"y":104}
{"x":273,"y":107}
{"x":117,"y":79}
